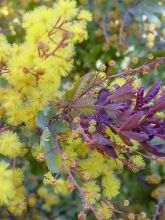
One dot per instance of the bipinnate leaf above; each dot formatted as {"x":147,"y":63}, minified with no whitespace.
{"x":80,"y":86}
{"x":113,"y":110}
{"x":159,"y":106}
{"x":132,"y":121}
{"x":123,"y":94}
{"x":85,"y":105}
{"x":151,"y":94}
{"x":103,"y":95}
{"x":139,"y":98}
{"x":154,"y":149}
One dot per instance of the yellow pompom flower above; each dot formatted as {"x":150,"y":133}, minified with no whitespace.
{"x":7,"y":190}
{"x":17,"y":206}
{"x":138,"y":163}
{"x":17,"y":176}
{"x":111,"y":186}
{"x":9,"y":144}
{"x":11,"y":100}
{"x":85,"y":15}
{"x":60,"y":187}
{"x":92,"y":191}
{"x":66,"y":9}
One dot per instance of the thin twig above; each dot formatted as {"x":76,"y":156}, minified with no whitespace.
{"x":82,"y":194}
{"x":158,"y":207}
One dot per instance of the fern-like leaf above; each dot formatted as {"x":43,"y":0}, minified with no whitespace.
{"x":82,"y":85}
{"x":85,"y":105}
{"x":123,"y":94}
{"x":132,"y":121}
{"x":113,"y":110}
{"x":153,"y":92}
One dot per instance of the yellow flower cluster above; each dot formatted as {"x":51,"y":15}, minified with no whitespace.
{"x":48,"y":198}
{"x":153,"y":179}
{"x":58,"y":184}
{"x":11,"y":193}
{"x":158,"y":192}
{"x":92,"y":166}
{"x":6,"y":183}
{"x":150,"y":37}
{"x":36,"y":66}
{"x":4,"y":49}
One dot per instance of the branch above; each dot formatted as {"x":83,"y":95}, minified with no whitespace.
{"x":57,"y":145}
{"x":158,"y":207}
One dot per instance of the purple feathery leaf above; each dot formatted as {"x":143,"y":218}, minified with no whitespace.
{"x":162,"y":97}
{"x":110,"y":151}
{"x":103,"y":95}
{"x":159,"y":106}
{"x":113,"y":110}
{"x":136,"y":136}
{"x":153,"y":92}
{"x":139,"y":98}
{"x":124,"y":93}
{"x":153,"y":150}
{"x":123,"y":117}
{"x":125,"y":138}
{"x":132,"y":121}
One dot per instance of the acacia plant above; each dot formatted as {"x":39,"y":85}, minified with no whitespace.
{"x":84,"y":137}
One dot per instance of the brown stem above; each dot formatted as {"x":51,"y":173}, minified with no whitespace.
{"x":82,"y":194}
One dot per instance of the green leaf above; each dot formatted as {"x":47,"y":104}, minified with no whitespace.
{"x":44,"y":115}
{"x":80,"y":86}
{"x":47,"y":143}
{"x":60,"y":126}
{"x":42,"y":118}
{"x":50,"y":157}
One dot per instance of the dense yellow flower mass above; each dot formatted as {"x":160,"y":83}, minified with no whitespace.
{"x":35,"y":67}
{"x":6,"y":184}
{"x":31,"y":73}
{"x":11,"y":193}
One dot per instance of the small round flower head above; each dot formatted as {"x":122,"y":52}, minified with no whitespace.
{"x":81,"y":216}
{"x":146,"y":70}
{"x":134,"y":60}
{"x":111,"y":63}
{"x":131,"y":216}
{"x":92,"y":129}
{"x":102,"y":67}
{"x":64,"y":156}
{"x":126,"y":202}
{"x":153,"y":179}
{"x":10,"y":144}
{"x":143,"y":214}
{"x":85,"y":15}
{"x":66,"y":9}
{"x":93,"y":122}
{"x":75,"y":134}
{"x":77,"y":120}
{"x":40,"y":157}
{"x":69,"y":185}
{"x":150,"y":56}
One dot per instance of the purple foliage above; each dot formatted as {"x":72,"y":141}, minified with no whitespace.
{"x":129,"y":121}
